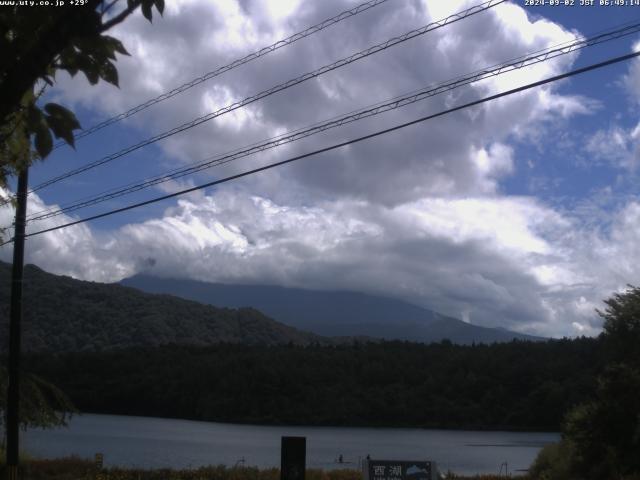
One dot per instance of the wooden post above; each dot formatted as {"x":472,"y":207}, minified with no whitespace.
{"x":293,"y":458}
{"x":15,"y":319}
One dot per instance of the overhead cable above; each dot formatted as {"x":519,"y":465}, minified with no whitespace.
{"x":230,"y":66}
{"x":340,"y":145}
{"x":283,"y":86}
{"x":382,"y":107}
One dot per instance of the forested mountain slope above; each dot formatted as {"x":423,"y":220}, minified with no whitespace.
{"x":62,"y":314}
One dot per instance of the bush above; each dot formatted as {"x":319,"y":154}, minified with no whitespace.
{"x":553,"y":462}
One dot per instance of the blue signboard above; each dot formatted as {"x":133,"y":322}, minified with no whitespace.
{"x":398,"y":470}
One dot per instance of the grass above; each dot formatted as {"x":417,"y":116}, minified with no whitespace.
{"x":74,"y":468}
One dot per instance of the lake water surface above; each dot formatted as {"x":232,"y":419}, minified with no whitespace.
{"x":159,"y":442}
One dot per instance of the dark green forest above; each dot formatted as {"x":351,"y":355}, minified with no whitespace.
{"x":62,"y":314}
{"x":517,"y":385}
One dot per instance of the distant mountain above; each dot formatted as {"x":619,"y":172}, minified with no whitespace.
{"x":66,"y":315}
{"x":337,"y":313}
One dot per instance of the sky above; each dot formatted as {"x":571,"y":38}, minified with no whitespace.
{"x":521,"y":213}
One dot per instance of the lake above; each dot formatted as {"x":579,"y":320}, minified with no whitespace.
{"x":158,"y":442}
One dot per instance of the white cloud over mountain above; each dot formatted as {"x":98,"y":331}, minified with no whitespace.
{"x":419,"y":214}
{"x":496,"y":261}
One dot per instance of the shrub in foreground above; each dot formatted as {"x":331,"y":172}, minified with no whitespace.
{"x":553,"y":462}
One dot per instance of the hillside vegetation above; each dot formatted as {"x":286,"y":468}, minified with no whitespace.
{"x":601,"y":435}
{"x":62,"y":314}
{"x":518,"y":385}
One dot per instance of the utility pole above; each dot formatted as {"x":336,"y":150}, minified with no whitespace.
{"x":15,"y":319}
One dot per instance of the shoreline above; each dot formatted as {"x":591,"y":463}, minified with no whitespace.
{"x":479,"y":429}
{"x":151,"y":443}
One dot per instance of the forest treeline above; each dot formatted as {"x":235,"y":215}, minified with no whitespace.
{"x":517,"y":385}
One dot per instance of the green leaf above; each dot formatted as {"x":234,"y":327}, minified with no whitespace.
{"x":60,"y":131}
{"x":146,"y":9}
{"x":109,"y":73}
{"x":91,"y":70}
{"x":115,"y":44}
{"x":88,"y":45}
{"x":34,"y":117}
{"x":92,"y":52}
{"x":63,"y":113}
{"x":160,"y":6}
{"x":69,"y":60}
{"x":62,"y":122}
{"x":43,"y":141}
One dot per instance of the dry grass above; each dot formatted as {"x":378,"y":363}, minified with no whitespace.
{"x":69,"y":468}
{"x":74,"y":468}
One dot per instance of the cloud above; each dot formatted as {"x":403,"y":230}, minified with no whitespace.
{"x":512,"y":262}
{"x":616,"y":146}
{"x":419,"y":214}
{"x":435,"y":158}
{"x":74,"y":251}
{"x":631,"y":80}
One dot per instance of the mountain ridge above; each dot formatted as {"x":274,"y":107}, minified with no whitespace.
{"x":62,"y":314}
{"x":350,"y":313}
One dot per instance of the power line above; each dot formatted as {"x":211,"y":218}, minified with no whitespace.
{"x":342,"y":144}
{"x":283,"y":86}
{"x":381,"y":107}
{"x":236,"y":63}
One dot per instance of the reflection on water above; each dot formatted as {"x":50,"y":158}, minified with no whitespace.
{"x":158,"y":442}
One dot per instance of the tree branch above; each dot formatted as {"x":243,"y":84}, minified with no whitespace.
{"x":108,"y":7}
{"x":120,"y":17}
